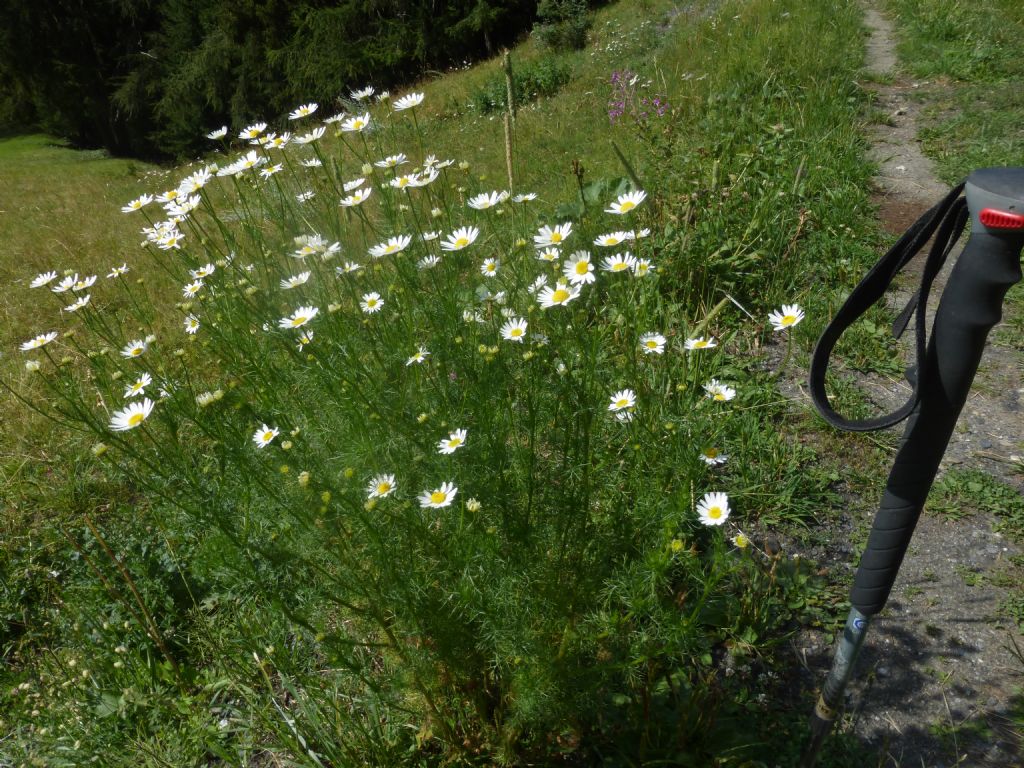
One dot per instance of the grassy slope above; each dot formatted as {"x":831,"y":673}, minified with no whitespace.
{"x":737,"y":130}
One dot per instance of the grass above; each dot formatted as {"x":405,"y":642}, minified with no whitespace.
{"x":181,"y":599}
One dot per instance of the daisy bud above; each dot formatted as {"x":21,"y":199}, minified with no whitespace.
{"x":463,"y":166}
{"x":303,"y":479}
{"x":473,"y":505}
{"x":349,"y":472}
{"x":99,"y":449}
{"x":421,"y":418}
{"x":325,"y":497}
{"x":436,"y":213}
{"x":366,"y":170}
{"x":286,"y":445}
{"x":32,"y":365}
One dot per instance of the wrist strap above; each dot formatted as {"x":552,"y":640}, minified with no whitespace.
{"x":946,"y":221}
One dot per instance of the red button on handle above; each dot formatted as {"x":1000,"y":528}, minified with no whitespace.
{"x":994,"y":219}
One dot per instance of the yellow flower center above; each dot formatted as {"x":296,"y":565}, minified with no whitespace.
{"x":556,"y":237}
{"x":455,"y":442}
{"x":358,"y":125}
{"x":652,"y":344}
{"x":627,"y":206}
{"x":715,"y":512}
{"x":559,"y":295}
{"x":437,"y":497}
{"x":296,"y":322}
{"x":267,"y":437}
{"x":582,"y":267}
{"x":135,"y":419}
{"x":711,"y":453}
{"x":622,"y":402}
{"x":371,"y":302}
{"x":719,"y":396}
{"x":391,"y":249}
{"x":136,"y":352}
{"x":515,"y":332}
{"x":700,"y":344}
{"x":462,"y":242}
{"x":383,"y":488}
{"x":788,"y":320}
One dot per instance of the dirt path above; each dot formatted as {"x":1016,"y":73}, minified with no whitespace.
{"x":938,"y":678}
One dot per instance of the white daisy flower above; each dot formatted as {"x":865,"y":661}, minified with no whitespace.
{"x":334,"y":118}
{"x":363,"y":93}
{"x":304,"y":111}
{"x":371,"y":302}
{"x":295,"y":281}
{"x":134,"y":348}
{"x":525,"y":198}
{"x":428,"y":236}
{"x":381,"y":487}
{"x":460,"y":238}
{"x":305,"y":197}
{"x":514,"y":330}
{"x":652,"y":343}
{"x":137,"y":204}
{"x":357,"y":197}
{"x":220,"y":133}
{"x":713,"y":457}
{"x":552,"y":235}
{"x":787,"y":317}
{"x":392,"y":160}
{"x":408,"y":101}
{"x":713,"y":509}
{"x":428,"y":262}
{"x":203,"y":272}
{"x":439,"y":497}
{"x":740,"y":540}
{"x":611,"y":239}
{"x":623,"y":399}
{"x":313,"y":162}
{"x":627,"y":202}
{"x":393,"y":245}
{"x":348,"y":268}
{"x":85,"y":282}
{"x":270,"y":170}
{"x":420,"y":356}
{"x":455,"y":440}
{"x":43,"y":278}
{"x":620,"y":262}
{"x":642,"y":268}
{"x":549,"y":254}
{"x":356,"y":124}
{"x":716,"y":390}
{"x":191,"y":324}
{"x":132,"y":416}
{"x":192,"y":289}
{"x":138,"y":387}
{"x":299,"y":317}
{"x":485,"y":200}
{"x":558,"y":296}
{"x":118,"y":271}
{"x":701,"y":343}
{"x":348,"y":186}
{"x":265,"y":435}
{"x":637,"y":234}
{"x":78,"y":304}
{"x":39,"y":341}
{"x":578,"y":269}
{"x":65,"y":283}
{"x":490,"y":267}
{"x":252,"y":131}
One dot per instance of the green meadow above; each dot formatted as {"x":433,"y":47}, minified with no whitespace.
{"x":487,"y":465}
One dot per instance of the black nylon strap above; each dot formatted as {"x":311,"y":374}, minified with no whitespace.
{"x":948,"y":217}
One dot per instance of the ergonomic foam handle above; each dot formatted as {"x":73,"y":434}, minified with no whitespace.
{"x":970,"y":306}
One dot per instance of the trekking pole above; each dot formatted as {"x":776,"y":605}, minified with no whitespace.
{"x":970,"y":306}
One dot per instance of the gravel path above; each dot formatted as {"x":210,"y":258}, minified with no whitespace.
{"x":938,"y":679}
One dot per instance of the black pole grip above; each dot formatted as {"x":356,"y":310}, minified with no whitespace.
{"x":970,"y":306}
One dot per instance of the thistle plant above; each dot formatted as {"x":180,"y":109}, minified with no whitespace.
{"x":485,"y":445}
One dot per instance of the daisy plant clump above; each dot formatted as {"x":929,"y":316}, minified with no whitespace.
{"x":477,"y":537}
